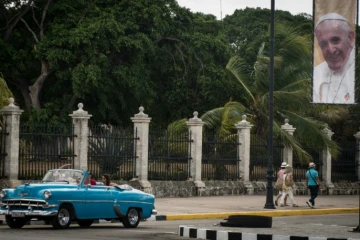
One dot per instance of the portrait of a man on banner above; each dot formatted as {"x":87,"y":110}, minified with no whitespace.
{"x":334,"y":52}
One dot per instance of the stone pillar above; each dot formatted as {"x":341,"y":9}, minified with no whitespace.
{"x":81,"y":141}
{"x":288,"y":151}
{"x":243,"y":129}
{"x":326,"y":160}
{"x":141,"y":126}
{"x":195,"y":125}
{"x":357,"y":156}
{"x":11,"y":120}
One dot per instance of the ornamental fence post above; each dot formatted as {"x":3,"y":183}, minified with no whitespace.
{"x":11,"y":119}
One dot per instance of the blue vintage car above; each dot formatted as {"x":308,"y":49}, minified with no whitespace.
{"x":64,"y":196}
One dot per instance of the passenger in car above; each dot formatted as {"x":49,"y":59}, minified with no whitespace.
{"x":106,"y":180}
{"x":89,"y":179}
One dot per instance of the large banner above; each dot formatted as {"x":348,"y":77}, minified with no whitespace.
{"x":334,"y":51}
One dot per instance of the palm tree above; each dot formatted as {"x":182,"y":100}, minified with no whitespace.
{"x":291,"y":97}
{"x":291,"y":92}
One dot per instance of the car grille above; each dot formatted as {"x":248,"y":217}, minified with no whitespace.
{"x":23,"y":204}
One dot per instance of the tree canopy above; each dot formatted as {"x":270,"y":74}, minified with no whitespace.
{"x":115,"y":56}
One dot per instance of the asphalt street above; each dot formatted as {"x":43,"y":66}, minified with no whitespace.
{"x":333,"y":217}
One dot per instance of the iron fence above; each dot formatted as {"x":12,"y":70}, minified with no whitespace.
{"x":344,"y":167}
{"x":112,"y":150}
{"x":300,"y":168}
{"x":3,"y":154}
{"x":259,"y":157}
{"x":44,"y":147}
{"x":169,"y":155}
{"x":220,"y":156}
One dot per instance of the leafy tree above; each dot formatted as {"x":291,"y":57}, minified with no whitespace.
{"x":291,"y":95}
{"x":247,"y":28}
{"x":5,"y":94}
{"x":113,"y":56}
{"x":291,"y":91}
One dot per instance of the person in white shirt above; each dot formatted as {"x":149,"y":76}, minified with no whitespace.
{"x":334,"y":79}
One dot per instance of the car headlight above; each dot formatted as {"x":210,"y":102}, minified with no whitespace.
{"x":2,"y":194}
{"x":47,"y":194}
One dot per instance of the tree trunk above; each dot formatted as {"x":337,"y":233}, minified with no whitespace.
{"x":24,"y":88}
{"x":36,"y":88}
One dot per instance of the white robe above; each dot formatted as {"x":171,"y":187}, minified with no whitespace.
{"x":335,"y":86}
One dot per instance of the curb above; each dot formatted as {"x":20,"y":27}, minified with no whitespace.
{"x":191,"y":232}
{"x":269,"y":213}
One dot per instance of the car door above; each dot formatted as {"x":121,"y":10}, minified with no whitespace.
{"x":99,"y":202}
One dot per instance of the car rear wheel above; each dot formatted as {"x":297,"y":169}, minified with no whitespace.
{"x":15,"y":222}
{"x":132,"y":218}
{"x":62,"y":219}
{"x":85,"y":222}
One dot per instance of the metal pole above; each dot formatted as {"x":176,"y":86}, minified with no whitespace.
{"x":269,"y":189}
{"x":220,"y":10}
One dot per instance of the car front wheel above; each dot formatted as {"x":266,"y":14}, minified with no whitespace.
{"x":63,"y":218}
{"x":15,"y":222}
{"x":132,"y":218}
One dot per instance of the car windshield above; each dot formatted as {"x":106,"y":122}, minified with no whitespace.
{"x":64,"y":175}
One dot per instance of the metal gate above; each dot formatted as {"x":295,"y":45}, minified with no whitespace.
{"x":344,"y":168}
{"x":300,"y":168}
{"x":169,"y":155}
{"x":112,"y":151}
{"x":3,"y":153}
{"x":43,"y":147}
{"x":220,"y":156}
{"x":259,"y":157}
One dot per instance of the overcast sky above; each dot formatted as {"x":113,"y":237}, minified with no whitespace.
{"x":229,"y":6}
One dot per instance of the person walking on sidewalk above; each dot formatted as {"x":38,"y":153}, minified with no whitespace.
{"x":279,"y":181}
{"x":313,"y":183}
{"x":288,"y":184}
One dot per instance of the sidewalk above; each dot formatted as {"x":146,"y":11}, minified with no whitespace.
{"x":206,"y":207}
{"x":220,"y":207}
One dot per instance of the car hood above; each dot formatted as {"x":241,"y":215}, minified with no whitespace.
{"x":36,"y":190}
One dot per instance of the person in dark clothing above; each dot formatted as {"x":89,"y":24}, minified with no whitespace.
{"x":313,"y":182}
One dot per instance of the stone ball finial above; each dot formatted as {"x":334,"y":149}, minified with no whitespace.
{"x":286,"y":121}
{"x":243,"y":117}
{"x":80,"y":106}
{"x":141,"y":109}
{"x":195,"y":114}
{"x":11,"y":101}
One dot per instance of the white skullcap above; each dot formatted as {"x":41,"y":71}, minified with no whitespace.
{"x":330,"y":16}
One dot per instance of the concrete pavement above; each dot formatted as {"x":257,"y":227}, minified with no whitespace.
{"x":222,"y":207}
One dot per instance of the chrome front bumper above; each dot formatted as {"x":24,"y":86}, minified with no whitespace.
{"x":30,"y":213}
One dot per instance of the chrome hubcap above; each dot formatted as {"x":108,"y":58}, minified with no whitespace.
{"x":63,"y":217}
{"x":133,"y":216}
